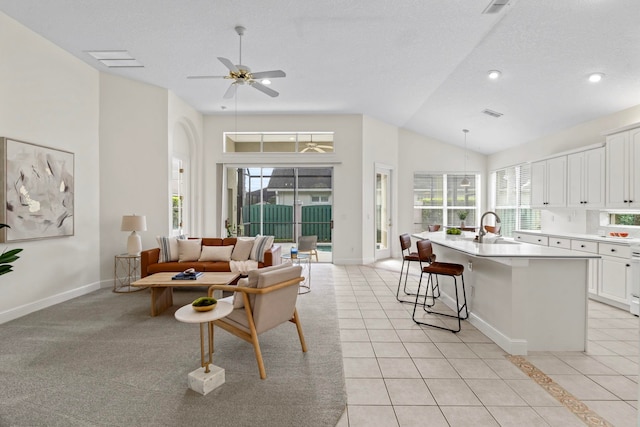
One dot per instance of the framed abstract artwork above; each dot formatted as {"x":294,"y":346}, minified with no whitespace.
{"x":37,"y":191}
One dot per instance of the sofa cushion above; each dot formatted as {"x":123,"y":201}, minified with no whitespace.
{"x":169,"y":247}
{"x":242,"y":249}
{"x":216,"y":253}
{"x":260,"y":245}
{"x":251,"y":281}
{"x":189,"y":250}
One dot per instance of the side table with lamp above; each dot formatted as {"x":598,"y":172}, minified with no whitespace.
{"x":126,"y":267}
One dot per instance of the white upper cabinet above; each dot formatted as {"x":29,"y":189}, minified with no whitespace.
{"x":549,"y":183}
{"x":585,"y":179}
{"x":623,"y":180}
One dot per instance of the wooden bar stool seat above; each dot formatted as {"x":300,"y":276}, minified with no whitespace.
{"x":425,"y":251}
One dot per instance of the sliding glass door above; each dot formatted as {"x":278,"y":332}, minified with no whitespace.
{"x":284,"y":202}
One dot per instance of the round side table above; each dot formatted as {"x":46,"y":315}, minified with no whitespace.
{"x":206,"y":378}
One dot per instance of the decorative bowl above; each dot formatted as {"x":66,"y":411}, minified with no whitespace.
{"x":623,"y":234}
{"x":204,"y":307}
{"x":204,"y":304}
{"x":613,"y":234}
{"x":490,"y":228}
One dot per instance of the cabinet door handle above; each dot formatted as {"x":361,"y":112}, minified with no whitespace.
{"x":539,"y":240}
{"x":626,"y":201}
{"x":582,"y":246}
{"x":613,"y":250}
{"x":628,"y":265}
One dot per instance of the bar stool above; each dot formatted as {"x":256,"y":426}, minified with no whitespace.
{"x":405,"y":244}
{"x":407,"y":258}
{"x":425,"y":251}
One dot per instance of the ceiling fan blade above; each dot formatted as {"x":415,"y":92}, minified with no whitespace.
{"x":268,"y":74}
{"x":304,"y":150}
{"x":318,"y":149}
{"x":206,"y":77}
{"x":230,"y":65}
{"x":263,"y":88}
{"x":231,"y":91}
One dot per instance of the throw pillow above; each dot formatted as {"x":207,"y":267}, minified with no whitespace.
{"x":169,"y":247}
{"x":251,"y":281}
{"x":189,"y":250}
{"x":216,"y":253}
{"x":260,"y":246}
{"x":242,"y":249}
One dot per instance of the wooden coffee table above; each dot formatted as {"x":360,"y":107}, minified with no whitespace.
{"x":162,"y":286}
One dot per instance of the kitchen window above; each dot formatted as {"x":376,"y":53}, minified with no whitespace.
{"x":628,"y":219}
{"x":511,"y":199}
{"x":439,"y":199}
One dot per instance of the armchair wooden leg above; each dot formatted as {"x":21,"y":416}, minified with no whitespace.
{"x":296,"y":320}
{"x":254,"y":336}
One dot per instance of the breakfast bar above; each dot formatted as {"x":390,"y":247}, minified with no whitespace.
{"x":524,"y":297}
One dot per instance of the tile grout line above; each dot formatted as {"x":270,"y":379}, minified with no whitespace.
{"x":577,"y":407}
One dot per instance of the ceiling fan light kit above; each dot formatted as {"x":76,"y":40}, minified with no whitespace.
{"x":242,"y":75}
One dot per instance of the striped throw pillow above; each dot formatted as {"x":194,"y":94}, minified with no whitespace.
{"x":169,"y":247}
{"x":260,"y":245}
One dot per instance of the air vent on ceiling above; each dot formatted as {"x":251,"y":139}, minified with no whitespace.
{"x":491,"y":113}
{"x":495,"y":6}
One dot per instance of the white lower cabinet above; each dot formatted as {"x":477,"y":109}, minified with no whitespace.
{"x":615,"y":277}
{"x":531,"y":238}
{"x":609,"y":278}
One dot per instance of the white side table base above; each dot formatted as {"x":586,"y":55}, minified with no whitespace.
{"x":203,"y":383}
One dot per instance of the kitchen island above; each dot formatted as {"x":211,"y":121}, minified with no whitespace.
{"x":524,"y":297}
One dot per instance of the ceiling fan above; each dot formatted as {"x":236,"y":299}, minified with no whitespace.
{"x":242,"y":75}
{"x":316,"y":147}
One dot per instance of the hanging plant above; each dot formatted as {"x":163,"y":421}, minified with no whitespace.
{"x":7,"y":257}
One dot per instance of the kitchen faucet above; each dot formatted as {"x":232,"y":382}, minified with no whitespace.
{"x":482,"y":230}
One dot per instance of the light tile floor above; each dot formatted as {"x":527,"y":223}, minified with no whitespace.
{"x":400,"y":374}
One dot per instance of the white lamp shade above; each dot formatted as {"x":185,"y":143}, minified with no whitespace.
{"x":134,"y":223}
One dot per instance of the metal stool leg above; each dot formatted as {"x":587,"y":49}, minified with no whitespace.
{"x":458,"y":307}
{"x":406,"y":276}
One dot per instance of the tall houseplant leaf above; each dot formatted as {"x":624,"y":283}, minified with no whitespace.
{"x":7,"y":257}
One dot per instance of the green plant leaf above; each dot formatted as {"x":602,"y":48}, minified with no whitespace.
{"x":4,"y":269}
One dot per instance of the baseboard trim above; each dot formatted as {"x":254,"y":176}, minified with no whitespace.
{"x":34,"y":306}
{"x":512,"y":346}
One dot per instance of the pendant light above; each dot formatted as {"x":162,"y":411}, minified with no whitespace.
{"x":465,"y":181}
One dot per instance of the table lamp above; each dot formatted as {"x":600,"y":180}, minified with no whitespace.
{"x":134,"y":223}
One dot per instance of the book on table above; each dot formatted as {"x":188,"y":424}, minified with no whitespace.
{"x":187,"y":276}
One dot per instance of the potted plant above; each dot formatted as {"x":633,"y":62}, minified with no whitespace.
{"x":7,"y":257}
{"x":462,"y":215}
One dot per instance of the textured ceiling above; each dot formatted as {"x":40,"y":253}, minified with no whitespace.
{"x":418,"y":64}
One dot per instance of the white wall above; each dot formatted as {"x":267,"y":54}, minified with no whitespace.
{"x":51,"y":98}
{"x":380,"y":146}
{"x":134,"y":163}
{"x":419,"y":153}
{"x":347,"y":163}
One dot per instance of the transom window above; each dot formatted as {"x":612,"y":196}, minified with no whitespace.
{"x":278,"y":142}
{"x":438,"y":199}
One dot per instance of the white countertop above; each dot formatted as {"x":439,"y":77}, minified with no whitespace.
{"x":512,"y":249}
{"x":628,"y":241}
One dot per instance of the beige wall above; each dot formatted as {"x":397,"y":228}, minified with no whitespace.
{"x":51,"y":98}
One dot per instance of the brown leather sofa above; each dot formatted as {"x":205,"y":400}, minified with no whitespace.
{"x":149,"y":259}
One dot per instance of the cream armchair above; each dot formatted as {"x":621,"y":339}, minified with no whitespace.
{"x":262,"y":301}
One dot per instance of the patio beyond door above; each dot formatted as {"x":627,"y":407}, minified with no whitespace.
{"x":285,"y":202}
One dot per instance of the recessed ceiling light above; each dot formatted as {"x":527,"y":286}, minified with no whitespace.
{"x":265,"y":81}
{"x":494,"y":74}
{"x":596,"y":77}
